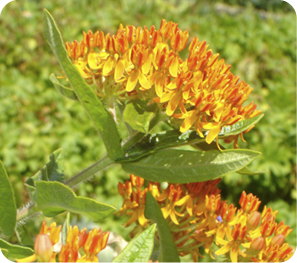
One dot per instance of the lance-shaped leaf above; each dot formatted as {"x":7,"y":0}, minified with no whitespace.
{"x":101,"y":118}
{"x":151,"y":143}
{"x":173,"y":138}
{"x":8,"y":211}
{"x":179,"y":166}
{"x":54,"y":198}
{"x":52,"y":171}
{"x":15,"y":251}
{"x":204,"y":146}
{"x":140,"y":248}
{"x":168,"y":252}
{"x":240,"y":126}
{"x":67,"y":92}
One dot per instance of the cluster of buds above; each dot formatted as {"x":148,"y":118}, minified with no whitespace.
{"x":142,"y":63}
{"x":198,"y":217}
{"x":91,"y":242}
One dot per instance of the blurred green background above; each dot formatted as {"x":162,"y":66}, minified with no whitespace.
{"x":258,"y":38}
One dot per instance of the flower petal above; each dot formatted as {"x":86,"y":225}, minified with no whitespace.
{"x":174,"y":101}
{"x":143,"y":81}
{"x":132,"y":81}
{"x":213,"y":133}
{"x":119,"y":69}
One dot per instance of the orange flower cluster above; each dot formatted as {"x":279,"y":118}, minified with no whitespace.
{"x":92,"y":243}
{"x":142,"y":63}
{"x":197,"y":217}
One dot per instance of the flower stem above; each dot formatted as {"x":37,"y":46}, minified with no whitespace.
{"x":85,"y":174}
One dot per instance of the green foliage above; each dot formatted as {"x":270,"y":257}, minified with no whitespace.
{"x":101,"y":119}
{"x":240,"y":126}
{"x":15,"y":251}
{"x":168,"y":252}
{"x":140,"y":248}
{"x":7,"y":205}
{"x":179,"y":166}
{"x":151,"y":143}
{"x":54,"y":198}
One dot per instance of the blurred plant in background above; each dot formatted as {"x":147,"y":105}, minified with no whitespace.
{"x":256,"y":37}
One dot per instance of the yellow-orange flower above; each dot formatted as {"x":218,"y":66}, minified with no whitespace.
{"x":142,"y":63}
{"x":95,"y":241}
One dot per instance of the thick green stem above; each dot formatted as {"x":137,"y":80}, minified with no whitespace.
{"x":85,"y":174}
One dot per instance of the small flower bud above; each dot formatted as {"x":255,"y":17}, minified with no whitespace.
{"x":257,"y":245}
{"x":43,"y":248}
{"x":278,"y":240}
{"x":253,"y":220}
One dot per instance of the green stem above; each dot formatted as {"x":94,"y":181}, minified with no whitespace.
{"x":85,"y":174}
{"x":28,"y":211}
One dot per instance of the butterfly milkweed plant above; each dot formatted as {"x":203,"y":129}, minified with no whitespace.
{"x":129,"y":83}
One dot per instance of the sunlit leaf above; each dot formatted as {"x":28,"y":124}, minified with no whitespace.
{"x":8,"y":211}
{"x":179,"y":166}
{"x":140,"y":248}
{"x":240,"y":126}
{"x":151,"y":143}
{"x":168,"y":252}
{"x":100,"y":117}
{"x":54,"y":198}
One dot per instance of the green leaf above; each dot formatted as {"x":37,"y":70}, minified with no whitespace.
{"x":65,"y":229}
{"x":16,"y":251}
{"x":173,"y":138}
{"x":151,"y":143}
{"x":4,"y":252}
{"x":24,"y":236}
{"x":168,"y":252}
{"x":54,"y":198}
{"x":138,"y":116}
{"x":239,"y":126}
{"x":204,"y":146}
{"x":140,"y":248}
{"x":67,"y":92}
{"x":52,"y":171}
{"x":179,"y":166}
{"x":100,"y":117}
{"x":8,"y":211}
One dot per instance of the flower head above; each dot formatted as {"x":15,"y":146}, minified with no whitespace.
{"x":145,"y":63}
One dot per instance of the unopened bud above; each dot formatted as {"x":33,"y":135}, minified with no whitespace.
{"x":278,"y":240}
{"x":257,"y":245}
{"x":43,"y":248}
{"x":253,"y":220}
